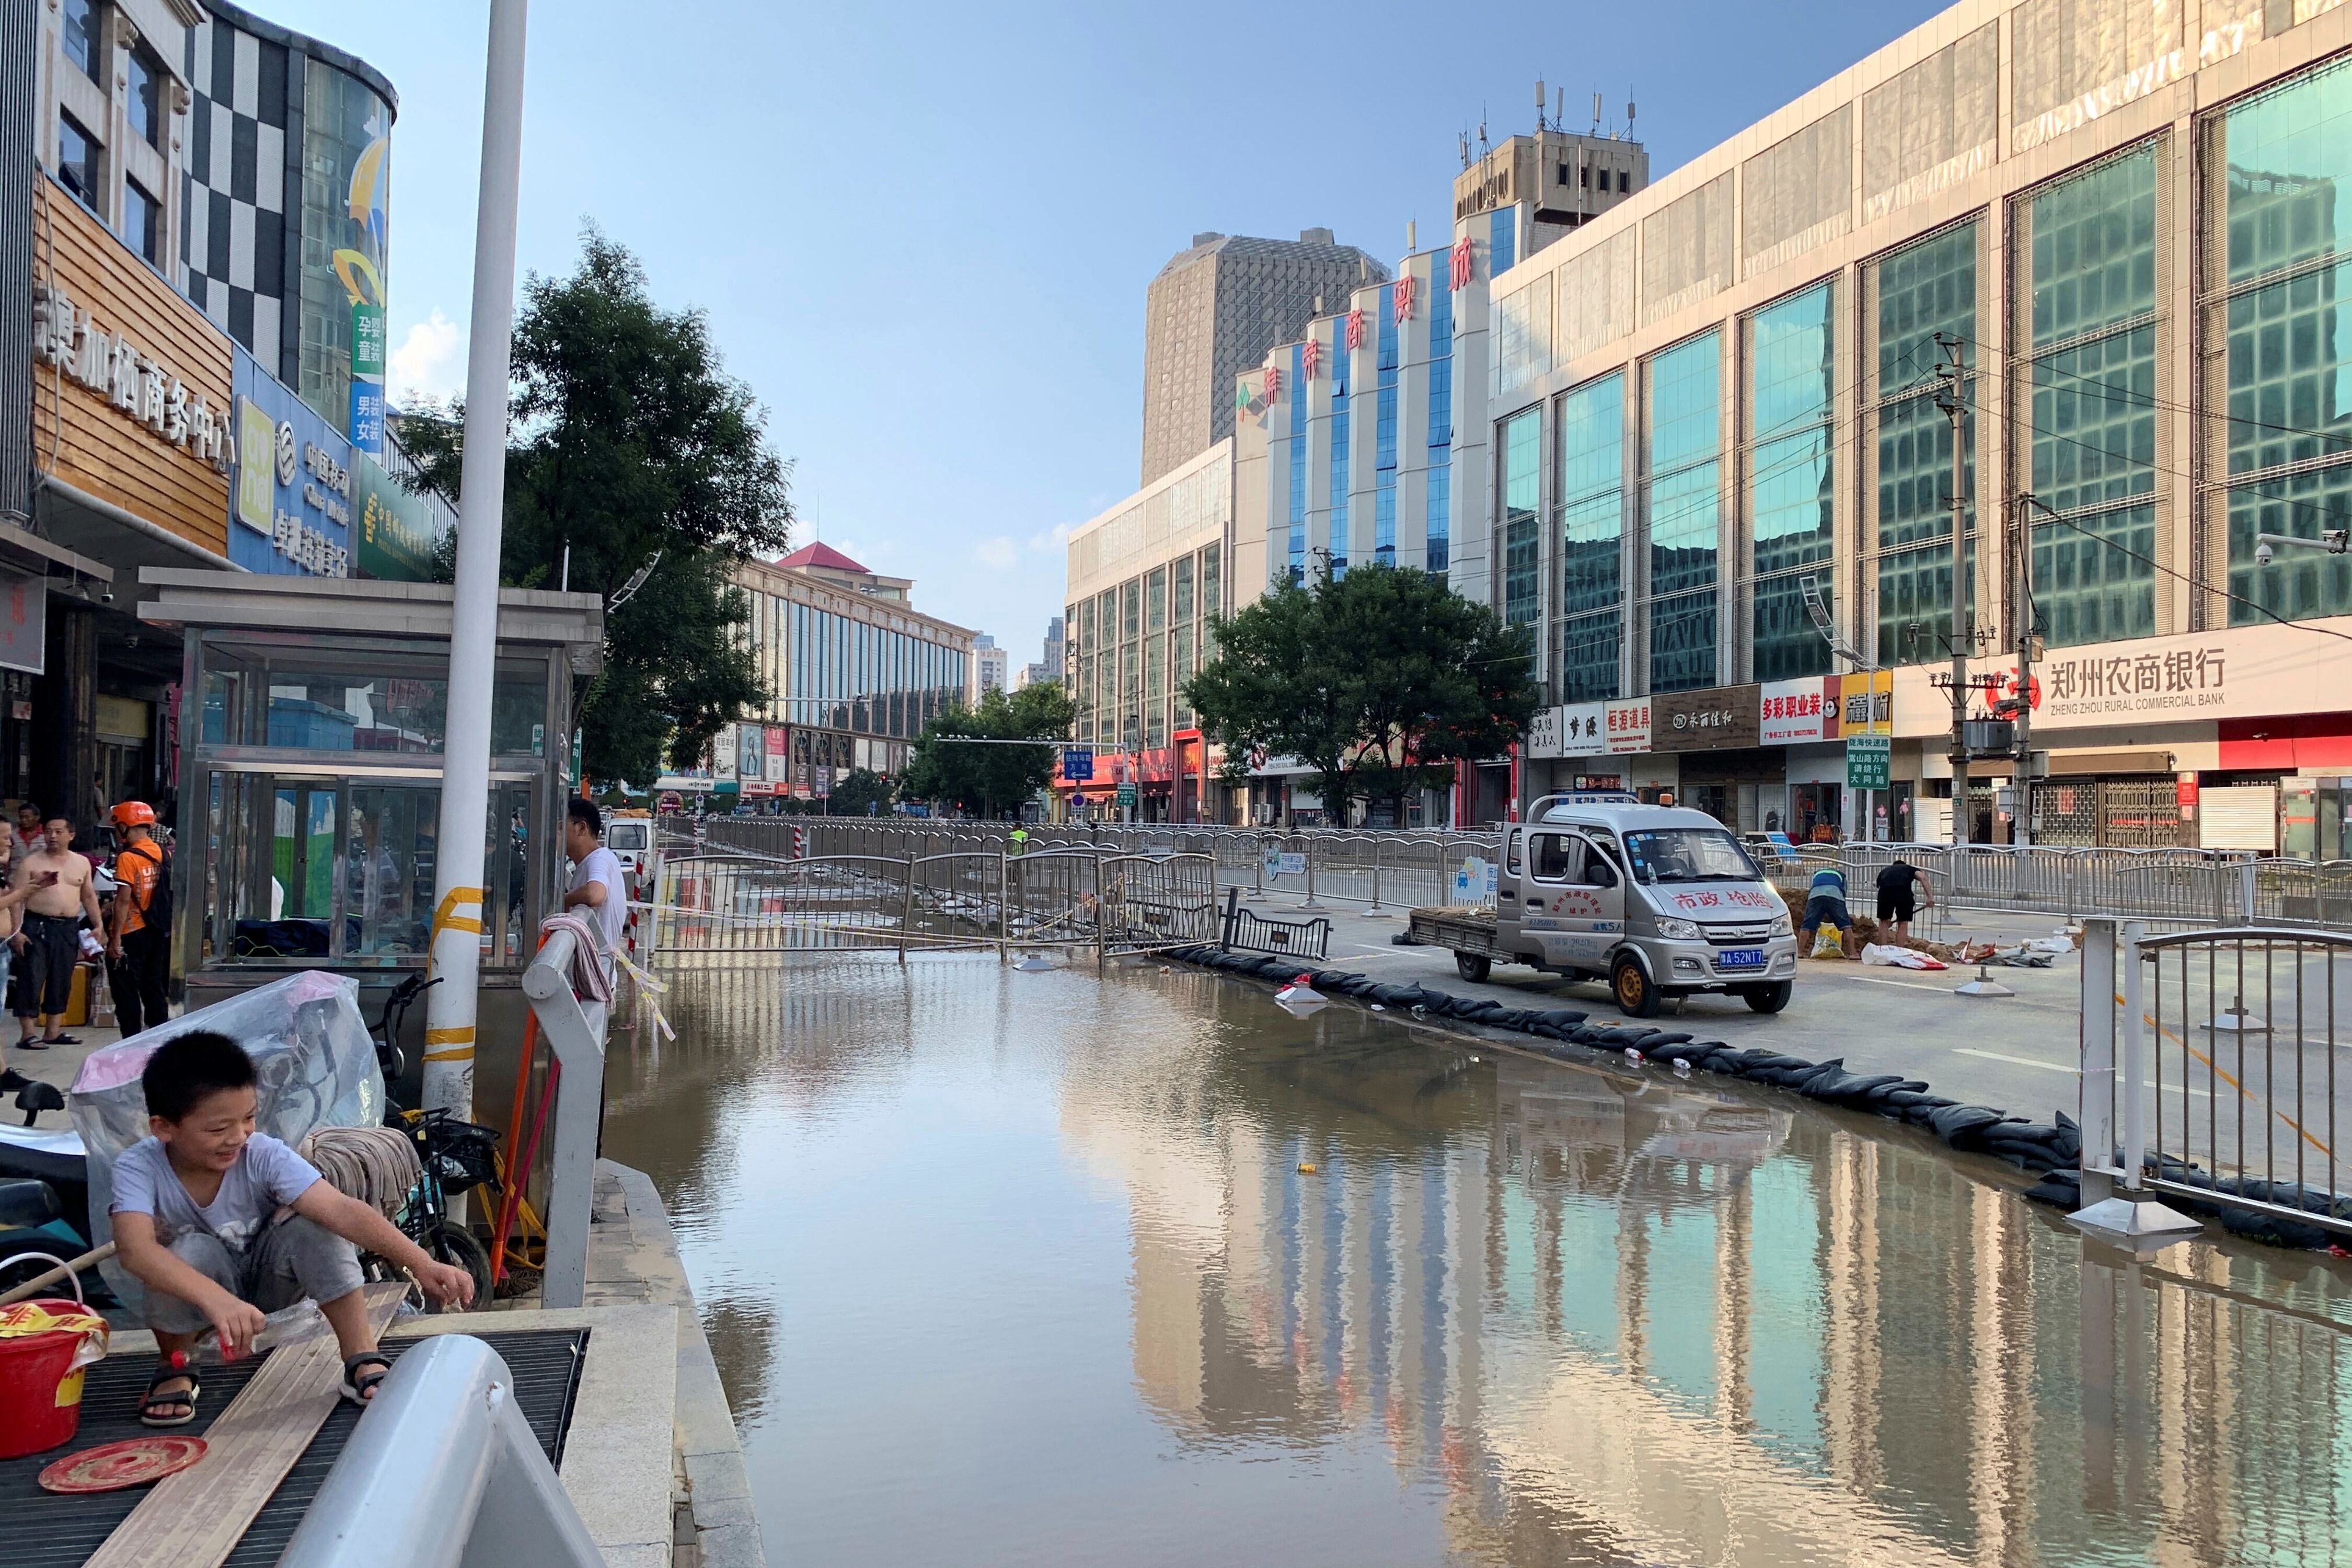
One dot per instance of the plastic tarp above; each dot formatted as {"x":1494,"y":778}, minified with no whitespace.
{"x":312,"y":1056}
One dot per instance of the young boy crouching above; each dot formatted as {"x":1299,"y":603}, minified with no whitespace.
{"x":193,"y":1207}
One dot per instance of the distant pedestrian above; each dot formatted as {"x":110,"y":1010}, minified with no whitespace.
{"x":1898,"y":901}
{"x":1020,"y":840}
{"x":138,"y":942}
{"x":1825,"y":905}
{"x":28,"y":837}
{"x":59,"y":894}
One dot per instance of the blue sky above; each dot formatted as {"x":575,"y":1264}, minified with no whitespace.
{"x":922,"y":232}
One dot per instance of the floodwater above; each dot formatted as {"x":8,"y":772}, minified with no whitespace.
{"x":1020,"y":1268}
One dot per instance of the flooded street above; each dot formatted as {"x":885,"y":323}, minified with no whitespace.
{"x":1007,"y":1266}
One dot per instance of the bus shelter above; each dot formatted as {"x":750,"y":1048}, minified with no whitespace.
{"x":308,"y":759}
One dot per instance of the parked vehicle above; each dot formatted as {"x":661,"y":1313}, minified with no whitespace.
{"x":629,"y":834}
{"x":1659,"y":901}
{"x":1771,"y":846}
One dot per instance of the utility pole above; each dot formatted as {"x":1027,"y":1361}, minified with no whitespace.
{"x":1948,"y":398}
{"x":457,"y":905}
{"x":2021,"y":784}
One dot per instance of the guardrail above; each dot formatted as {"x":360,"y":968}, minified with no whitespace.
{"x":2209,"y":1068}
{"x":1378,"y":869}
{"x":443,"y":1471}
{"x":2167,"y":887}
{"x":575,"y":1032}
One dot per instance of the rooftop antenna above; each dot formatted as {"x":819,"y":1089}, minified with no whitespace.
{"x":1412,"y":236}
{"x":1559,"y":108}
{"x":1596,"y":111}
{"x":1465,"y":140}
{"x":1483,"y":143}
{"x":1629,"y":119}
{"x":1541,"y":99}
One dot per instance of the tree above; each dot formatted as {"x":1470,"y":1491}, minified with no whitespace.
{"x":630,"y":442}
{"x":861,"y":792}
{"x":987,"y":779}
{"x":1381,"y":680}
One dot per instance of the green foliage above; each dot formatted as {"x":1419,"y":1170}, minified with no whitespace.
{"x":1379,"y":682}
{"x":861,"y":792}
{"x":630,"y":440}
{"x":987,"y":780}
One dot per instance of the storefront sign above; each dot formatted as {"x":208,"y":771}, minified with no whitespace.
{"x":292,"y":500}
{"x":1795,"y":712}
{"x":1542,"y":739}
{"x":1626,"y":725}
{"x":778,"y":768}
{"x":24,"y":627}
{"x":1865,"y":704}
{"x":1713,"y":720}
{"x":2184,"y":794}
{"x":398,"y":533}
{"x":145,"y":391}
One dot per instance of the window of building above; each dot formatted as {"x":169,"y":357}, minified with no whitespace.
{"x":77,"y":159}
{"x":1683,"y":502}
{"x":1439,"y":526}
{"x":1502,"y":241}
{"x":1916,"y":293}
{"x":1590,"y":519}
{"x":1337,"y":359}
{"x":79,"y":34}
{"x":1522,"y":446}
{"x":1792,"y":370}
{"x":144,"y":104}
{"x":1625,"y":181}
{"x":1584,"y":178}
{"x":1213,"y":604}
{"x":2091,"y":248}
{"x":2286,"y":435}
{"x":1384,"y":441}
{"x":142,"y":222}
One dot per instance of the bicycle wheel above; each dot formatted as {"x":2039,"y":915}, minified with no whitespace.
{"x":453,"y":1243}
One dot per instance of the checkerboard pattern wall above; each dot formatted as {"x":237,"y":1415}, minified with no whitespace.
{"x":240,"y":243}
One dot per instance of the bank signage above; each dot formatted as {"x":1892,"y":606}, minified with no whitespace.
{"x":1713,"y":720}
{"x":394,"y":533}
{"x":290,"y":508}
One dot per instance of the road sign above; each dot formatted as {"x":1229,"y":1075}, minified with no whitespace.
{"x":1867,"y":760}
{"x":1078,"y":763}
{"x":1127,"y":795}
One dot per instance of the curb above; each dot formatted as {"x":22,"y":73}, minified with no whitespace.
{"x":2053,"y":1152}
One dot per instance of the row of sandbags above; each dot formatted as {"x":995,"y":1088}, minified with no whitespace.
{"x":2065,"y":1188}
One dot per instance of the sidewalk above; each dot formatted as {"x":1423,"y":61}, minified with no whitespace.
{"x":2018,"y":1053}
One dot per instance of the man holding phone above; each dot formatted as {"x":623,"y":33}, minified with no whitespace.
{"x":58,"y":894}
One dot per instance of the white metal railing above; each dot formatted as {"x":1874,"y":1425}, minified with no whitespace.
{"x":574,"y":1028}
{"x":443,"y":1472}
{"x":2166,"y":887}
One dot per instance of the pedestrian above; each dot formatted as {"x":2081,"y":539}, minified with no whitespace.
{"x":598,"y":887}
{"x":1020,"y":840}
{"x":26,"y":839}
{"x":138,"y":941}
{"x":1825,"y":905}
{"x":1896,"y":901}
{"x":60,"y":895}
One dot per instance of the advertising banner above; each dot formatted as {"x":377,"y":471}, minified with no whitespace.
{"x":1542,"y":739}
{"x":397,"y":531}
{"x":1715,"y":719}
{"x":750,"y":751}
{"x":1627,"y":724}
{"x":24,"y":624}
{"x":290,"y":508}
{"x":724,"y":753}
{"x":1865,"y":704}
{"x":1795,"y":712}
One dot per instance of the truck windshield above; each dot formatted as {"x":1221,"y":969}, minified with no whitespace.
{"x":1689,"y":855}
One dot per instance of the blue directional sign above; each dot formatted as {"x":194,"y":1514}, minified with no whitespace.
{"x":1078,"y":763}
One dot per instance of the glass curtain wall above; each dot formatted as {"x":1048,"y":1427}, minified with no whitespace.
{"x":1298,"y":439}
{"x":1684,"y":487}
{"x":2286,"y":272}
{"x":1921,"y":291}
{"x":1522,"y":450}
{"x":1107,"y":709}
{"x":1179,"y":638}
{"x":1437,"y":551}
{"x":1338,"y":359}
{"x":1791,"y":411}
{"x":1385,"y":432}
{"x":2090,"y":244}
{"x":1590,"y":516}
{"x":1155,"y":658}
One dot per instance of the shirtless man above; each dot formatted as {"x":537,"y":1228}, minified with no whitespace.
{"x":48,"y":944}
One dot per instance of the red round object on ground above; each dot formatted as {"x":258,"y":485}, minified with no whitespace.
{"x":111,"y":1467}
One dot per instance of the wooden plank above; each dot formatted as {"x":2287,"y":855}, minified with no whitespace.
{"x":195,"y":1518}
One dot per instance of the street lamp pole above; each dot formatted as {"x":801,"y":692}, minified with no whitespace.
{"x":458,"y":904}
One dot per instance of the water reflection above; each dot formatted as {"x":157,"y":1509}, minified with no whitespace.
{"x":1005,"y":1267}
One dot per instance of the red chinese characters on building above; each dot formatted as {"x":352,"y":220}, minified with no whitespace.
{"x":1310,"y":356}
{"x":1355,"y":330}
{"x":1273,"y":383}
{"x":1404,"y":292}
{"x":1808,"y":705}
{"x":1466,"y":263}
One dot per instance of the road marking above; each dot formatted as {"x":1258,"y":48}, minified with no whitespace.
{"x":1901,"y":985}
{"x":2020,"y":1061}
{"x":1381,"y":952}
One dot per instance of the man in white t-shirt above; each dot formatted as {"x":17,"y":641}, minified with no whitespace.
{"x":599,"y":888}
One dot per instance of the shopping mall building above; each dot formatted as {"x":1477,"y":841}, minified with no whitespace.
{"x":2125,"y":214}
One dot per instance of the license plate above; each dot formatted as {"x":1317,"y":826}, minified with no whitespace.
{"x":1741,"y":958}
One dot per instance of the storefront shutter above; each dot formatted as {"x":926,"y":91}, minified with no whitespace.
{"x":2239,"y":816}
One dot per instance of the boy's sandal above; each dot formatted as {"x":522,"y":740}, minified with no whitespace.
{"x":176,"y":1409}
{"x":359,"y":1387}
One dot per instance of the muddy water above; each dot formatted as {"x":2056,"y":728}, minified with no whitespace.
{"x":1007,"y":1267}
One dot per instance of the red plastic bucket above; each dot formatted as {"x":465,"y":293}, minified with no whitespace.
{"x":40,"y":1386}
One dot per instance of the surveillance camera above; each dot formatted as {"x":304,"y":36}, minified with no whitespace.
{"x":2263,"y":554}
{"x":106,"y":596}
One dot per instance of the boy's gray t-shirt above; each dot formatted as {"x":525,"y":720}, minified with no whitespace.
{"x":267,"y":1176}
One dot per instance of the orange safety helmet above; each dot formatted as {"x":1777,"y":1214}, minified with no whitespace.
{"x":133,"y":814}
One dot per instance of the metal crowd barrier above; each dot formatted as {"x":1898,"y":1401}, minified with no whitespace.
{"x":2209,"y":1068}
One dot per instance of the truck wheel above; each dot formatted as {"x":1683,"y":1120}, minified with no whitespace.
{"x":1636,"y":997}
{"x":1473,"y":967}
{"x":1768,"y":998}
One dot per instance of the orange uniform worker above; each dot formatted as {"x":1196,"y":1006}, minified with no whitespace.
{"x":139,"y":937}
